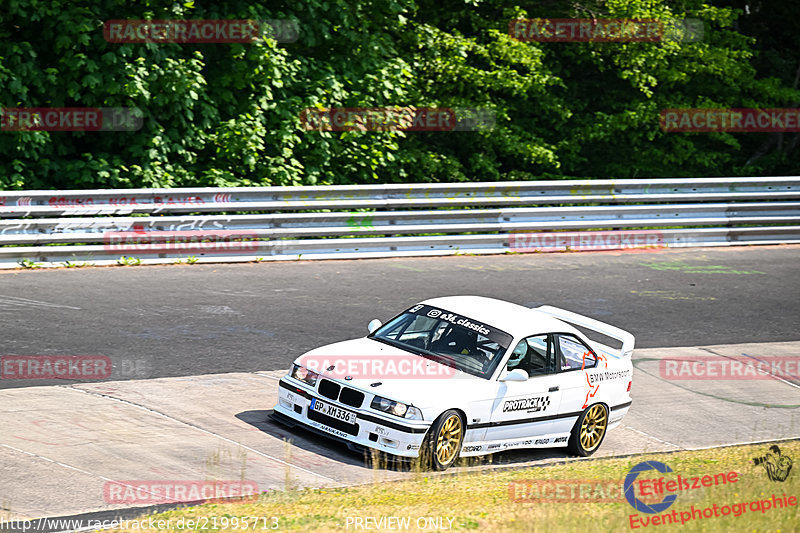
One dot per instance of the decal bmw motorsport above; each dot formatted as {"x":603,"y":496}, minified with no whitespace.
{"x":531,"y":405}
{"x":491,"y":333}
{"x":599,"y":377}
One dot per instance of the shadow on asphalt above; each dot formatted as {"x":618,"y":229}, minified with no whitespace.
{"x":332,"y":448}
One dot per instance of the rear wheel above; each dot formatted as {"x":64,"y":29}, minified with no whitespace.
{"x":589,"y":431}
{"x":444,"y":440}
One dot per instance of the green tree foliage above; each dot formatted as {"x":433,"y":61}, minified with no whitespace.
{"x":229,"y":114}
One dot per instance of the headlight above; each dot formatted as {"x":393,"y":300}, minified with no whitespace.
{"x":396,"y":408}
{"x":305,"y":375}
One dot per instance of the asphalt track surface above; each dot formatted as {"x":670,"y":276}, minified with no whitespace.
{"x":232,"y":330}
{"x":182,"y":320}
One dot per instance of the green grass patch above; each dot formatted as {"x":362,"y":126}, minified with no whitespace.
{"x":468,"y":499}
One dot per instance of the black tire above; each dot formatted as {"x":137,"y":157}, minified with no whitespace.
{"x":589,"y":431}
{"x":443,"y":442}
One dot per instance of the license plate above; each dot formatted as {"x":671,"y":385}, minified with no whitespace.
{"x":333,"y":411}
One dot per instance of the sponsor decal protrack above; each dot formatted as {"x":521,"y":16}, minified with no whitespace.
{"x":530,"y":405}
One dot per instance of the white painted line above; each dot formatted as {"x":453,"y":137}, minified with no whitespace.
{"x":70,"y":467}
{"x":14,"y":300}
{"x":650,"y":436}
{"x":762,"y":372}
{"x":263,"y":374}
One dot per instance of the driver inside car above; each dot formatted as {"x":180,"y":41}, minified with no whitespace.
{"x":457,"y":340}
{"x":517,"y":358}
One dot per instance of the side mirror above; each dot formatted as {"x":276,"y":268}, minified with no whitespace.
{"x":374,"y":324}
{"x":515,"y":375}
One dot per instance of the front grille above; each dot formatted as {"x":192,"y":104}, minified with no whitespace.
{"x":335,"y":423}
{"x":329,"y":389}
{"x":351,"y":397}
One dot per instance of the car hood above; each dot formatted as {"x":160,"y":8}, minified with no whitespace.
{"x":378,"y":368}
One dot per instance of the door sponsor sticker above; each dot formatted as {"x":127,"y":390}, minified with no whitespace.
{"x":530,"y":405}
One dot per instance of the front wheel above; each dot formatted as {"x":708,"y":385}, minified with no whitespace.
{"x":444,"y":440}
{"x":589,"y":431}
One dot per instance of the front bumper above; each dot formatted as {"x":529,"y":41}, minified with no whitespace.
{"x":392,"y":435}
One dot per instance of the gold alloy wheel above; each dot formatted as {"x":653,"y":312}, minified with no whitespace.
{"x":593,"y":427}
{"x":448,"y":440}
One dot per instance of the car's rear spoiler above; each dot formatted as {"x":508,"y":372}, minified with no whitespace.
{"x":627,"y":339}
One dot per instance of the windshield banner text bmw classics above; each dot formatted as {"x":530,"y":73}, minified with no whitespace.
{"x":500,"y":337}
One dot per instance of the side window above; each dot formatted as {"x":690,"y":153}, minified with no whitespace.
{"x":535,"y":355}
{"x":573,"y":354}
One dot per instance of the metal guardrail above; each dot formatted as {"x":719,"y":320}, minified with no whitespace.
{"x":162,"y":225}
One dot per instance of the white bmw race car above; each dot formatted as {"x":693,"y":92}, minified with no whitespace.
{"x":464,"y":376}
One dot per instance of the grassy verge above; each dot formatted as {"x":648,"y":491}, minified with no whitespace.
{"x":485,"y":500}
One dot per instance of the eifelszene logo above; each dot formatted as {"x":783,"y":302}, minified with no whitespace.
{"x":638,"y":504}
{"x":777,"y":466}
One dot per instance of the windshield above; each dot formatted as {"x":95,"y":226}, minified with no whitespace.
{"x":466,"y":344}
